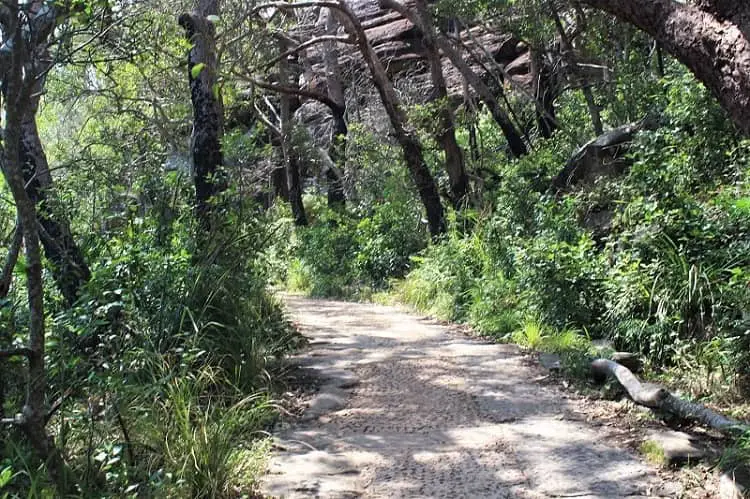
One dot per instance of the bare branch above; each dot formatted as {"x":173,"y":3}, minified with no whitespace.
{"x":284,"y":89}
{"x":15,"y":248}
{"x":311,"y":42}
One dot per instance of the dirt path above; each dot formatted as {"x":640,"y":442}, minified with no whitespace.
{"x":410,"y":409}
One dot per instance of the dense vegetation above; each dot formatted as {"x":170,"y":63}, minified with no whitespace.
{"x":168,"y":160}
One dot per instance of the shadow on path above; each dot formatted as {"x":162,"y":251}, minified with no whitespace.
{"x":410,"y":409}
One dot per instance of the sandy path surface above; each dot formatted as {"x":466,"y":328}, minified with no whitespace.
{"x":409,"y":409}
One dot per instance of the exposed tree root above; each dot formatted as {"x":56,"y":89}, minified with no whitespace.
{"x":656,"y":397}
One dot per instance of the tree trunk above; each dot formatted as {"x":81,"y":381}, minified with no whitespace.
{"x":712,"y":39}
{"x":68,"y":264}
{"x":290,"y":155}
{"x":512,"y":135}
{"x":405,"y":135}
{"x":570,"y":56}
{"x":659,"y":398}
{"x":340,"y":131}
{"x":544,"y":94}
{"x":18,"y":85}
{"x":446,"y":134}
{"x":69,"y":267}
{"x":208,"y":112}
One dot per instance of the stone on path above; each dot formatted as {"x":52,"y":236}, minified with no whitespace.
{"x":678,"y":447}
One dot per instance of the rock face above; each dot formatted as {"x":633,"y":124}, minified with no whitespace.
{"x":399,"y":45}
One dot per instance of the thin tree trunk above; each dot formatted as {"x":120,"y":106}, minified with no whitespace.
{"x":405,"y":135}
{"x":659,"y":54}
{"x":512,"y":135}
{"x":17,"y":103}
{"x":208,"y":112}
{"x":6,"y":278}
{"x":544,"y":94}
{"x":290,"y":155}
{"x":68,"y":264}
{"x":446,"y":134}
{"x":340,"y":131}
{"x":69,"y":267}
{"x":570,"y":56}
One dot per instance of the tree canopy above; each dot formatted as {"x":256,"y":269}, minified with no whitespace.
{"x":547,"y":171}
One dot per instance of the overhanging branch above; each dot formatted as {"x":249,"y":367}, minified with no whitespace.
{"x":284,"y":89}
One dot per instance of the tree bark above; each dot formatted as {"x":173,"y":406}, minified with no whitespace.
{"x":6,"y":277}
{"x":290,"y":155}
{"x":69,"y":267}
{"x":446,"y":134}
{"x":405,"y":134}
{"x":712,"y":39}
{"x":340,"y":131}
{"x":208,"y":112}
{"x":569,"y":55}
{"x":544,"y":94}
{"x":19,"y":84}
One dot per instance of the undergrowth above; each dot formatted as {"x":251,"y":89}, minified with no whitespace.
{"x":165,"y":367}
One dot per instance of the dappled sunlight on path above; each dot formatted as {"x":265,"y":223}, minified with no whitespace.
{"x":408,"y":408}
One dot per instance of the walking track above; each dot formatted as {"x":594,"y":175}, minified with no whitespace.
{"x":410,"y":409}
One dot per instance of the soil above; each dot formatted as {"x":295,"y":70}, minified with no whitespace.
{"x":405,"y":407}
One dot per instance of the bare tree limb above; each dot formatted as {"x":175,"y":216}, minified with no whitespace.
{"x":656,"y":397}
{"x":285,"y":89}
{"x":15,"y":248}
{"x":309,"y":43}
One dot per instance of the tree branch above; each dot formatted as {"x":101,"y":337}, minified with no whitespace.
{"x":309,"y":43}
{"x":15,"y":248}
{"x":284,"y":89}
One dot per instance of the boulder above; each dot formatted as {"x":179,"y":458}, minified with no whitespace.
{"x":679,"y":447}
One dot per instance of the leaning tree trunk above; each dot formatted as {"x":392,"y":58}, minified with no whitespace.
{"x":569,"y":55}
{"x":208,"y":112}
{"x":544,"y":93}
{"x":446,"y":134}
{"x":340,"y":131}
{"x":512,"y":135}
{"x":405,"y":134}
{"x":69,"y":267}
{"x":290,"y":157}
{"x":712,"y":39}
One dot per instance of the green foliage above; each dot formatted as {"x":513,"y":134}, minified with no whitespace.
{"x":531,"y":335}
{"x":166,"y":360}
{"x":342,"y":254}
{"x":386,"y":241}
{"x":442,"y":282}
{"x":653,"y":452}
{"x":494,"y":309}
{"x":667,"y":279}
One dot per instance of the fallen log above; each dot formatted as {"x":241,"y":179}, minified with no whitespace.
{"x":656,"y":397}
